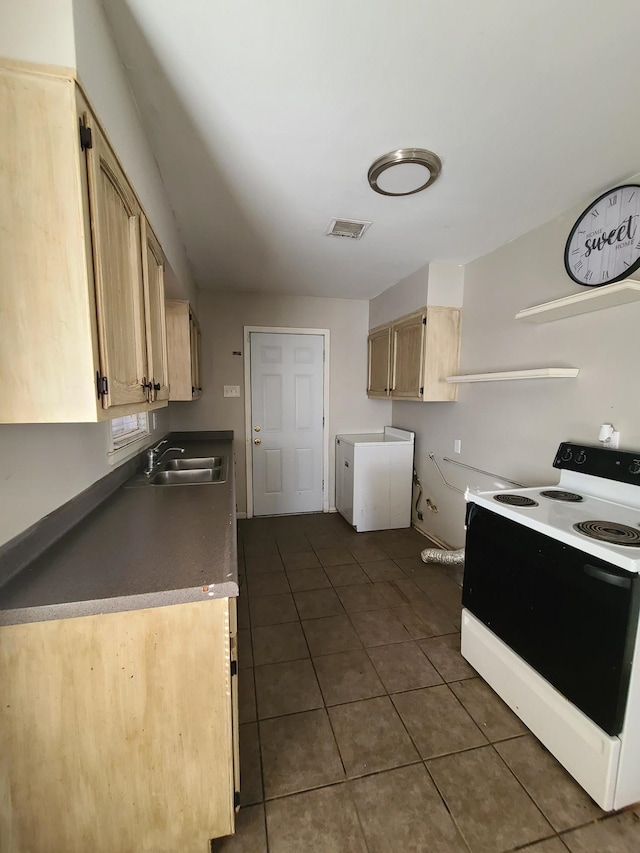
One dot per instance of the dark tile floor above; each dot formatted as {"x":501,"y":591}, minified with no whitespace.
{"x":361,"y":726}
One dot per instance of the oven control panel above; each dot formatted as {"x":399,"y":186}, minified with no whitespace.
{"x":620,"y":465}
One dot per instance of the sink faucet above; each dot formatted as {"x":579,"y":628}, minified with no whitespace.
{"x":152,"y":455}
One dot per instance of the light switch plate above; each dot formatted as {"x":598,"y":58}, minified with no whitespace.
{"x":231,"y":390}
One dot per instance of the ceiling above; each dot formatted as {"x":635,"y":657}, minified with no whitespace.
{"x":265,"y":117}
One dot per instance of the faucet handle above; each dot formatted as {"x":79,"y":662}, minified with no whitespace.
{"x":159,"y":444}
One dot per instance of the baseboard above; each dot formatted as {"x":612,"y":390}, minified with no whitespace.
{"x":435,"y":539}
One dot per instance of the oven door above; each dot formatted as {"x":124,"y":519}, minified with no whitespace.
{"x":570,"y":616}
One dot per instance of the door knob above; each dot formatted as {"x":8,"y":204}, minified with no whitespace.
{"x":257,"y":441}
{"x":257,"y":429}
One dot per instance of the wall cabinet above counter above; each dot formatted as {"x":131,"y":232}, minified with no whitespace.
{"x":82,"y":298}
{"x":183,"y":346}
{"x":410,"y":358}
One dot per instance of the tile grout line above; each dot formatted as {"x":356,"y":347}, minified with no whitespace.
{"x":512,"y":772}
{"x":388,"y":694}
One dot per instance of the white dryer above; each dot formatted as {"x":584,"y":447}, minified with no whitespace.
{"x":374,"y":475}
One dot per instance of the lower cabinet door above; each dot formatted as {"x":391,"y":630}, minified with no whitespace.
{"x":117,"y":731}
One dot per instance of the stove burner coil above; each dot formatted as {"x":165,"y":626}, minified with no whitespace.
{"x":515,"y":500}
{"x":609,"y":531}
{"x":559,"y":495}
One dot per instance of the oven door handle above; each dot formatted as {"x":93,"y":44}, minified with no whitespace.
{"x":607,"y":576}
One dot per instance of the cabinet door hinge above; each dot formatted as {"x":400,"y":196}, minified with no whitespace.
{"x":421,"y":390}
{"x":236,"y":799}
{"x":424,"y":321}
{"x":234,"y":667}
{"x":102,"y":384}
{"x":86,"y":137}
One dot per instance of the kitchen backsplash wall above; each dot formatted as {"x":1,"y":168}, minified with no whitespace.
{"x":222,"y":317}
{"x":45,"y":465}
{"x":513,"y":428}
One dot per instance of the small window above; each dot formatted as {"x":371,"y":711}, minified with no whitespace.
{"x":126,"y":434}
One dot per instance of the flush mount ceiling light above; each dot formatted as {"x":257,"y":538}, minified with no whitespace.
{"x":404,"y":172}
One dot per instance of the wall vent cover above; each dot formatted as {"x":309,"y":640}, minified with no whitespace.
{"x":351,"y":228}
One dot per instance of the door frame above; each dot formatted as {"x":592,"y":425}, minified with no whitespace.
{"x":285,"y":330}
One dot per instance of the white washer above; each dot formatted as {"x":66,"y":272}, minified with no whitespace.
{"x":374,"y":475}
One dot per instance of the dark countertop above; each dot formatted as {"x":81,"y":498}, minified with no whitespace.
{"x":141,"y":547}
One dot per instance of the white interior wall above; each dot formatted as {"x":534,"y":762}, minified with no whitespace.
{"x":446,"y":285}
{"x":38,"y":31}
{"x":433,"y":284}
{"x":222,"y":317}
{"x":104,"y":79}
{"x":513,"y":428}
{"x":406,"y":296}
{"x":45,"y":465}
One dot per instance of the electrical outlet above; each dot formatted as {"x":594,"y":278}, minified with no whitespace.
{"x":154,"y":420}
{"x":457,"y":445}
{"x":231,"y":390}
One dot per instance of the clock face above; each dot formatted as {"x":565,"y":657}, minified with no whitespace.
{"x":604,"y":244}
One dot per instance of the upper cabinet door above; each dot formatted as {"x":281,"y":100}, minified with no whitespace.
{"x":153,"y":274}
{"x":194,"y":333}
{"x":408,"y":357}
{"x":117,"y":260}
{"x":378,"y":384}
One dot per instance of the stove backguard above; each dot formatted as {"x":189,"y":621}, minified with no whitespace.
{"x":570,"y":616}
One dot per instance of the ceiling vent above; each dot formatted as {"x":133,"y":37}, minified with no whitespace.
{"x":352,"y":228}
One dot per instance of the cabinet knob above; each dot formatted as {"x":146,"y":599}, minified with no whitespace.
{"x":257,"y":441}
{"x":257,"y":429}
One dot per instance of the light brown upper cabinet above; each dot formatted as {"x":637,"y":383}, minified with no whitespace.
{"x":156,"y":327}
{"x":81,"y":301}
{"x":422,"y":349}
{"x":183,"y":346}
{"x":379,"y":343}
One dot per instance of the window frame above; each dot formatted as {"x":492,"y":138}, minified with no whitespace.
{"x":127,"y":443}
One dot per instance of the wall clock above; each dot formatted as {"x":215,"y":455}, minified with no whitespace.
{"x":604,"y":244}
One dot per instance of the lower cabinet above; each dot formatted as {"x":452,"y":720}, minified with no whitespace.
{"x":119,"y":731}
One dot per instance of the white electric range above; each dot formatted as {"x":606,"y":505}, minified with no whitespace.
{"x":551,"y":598}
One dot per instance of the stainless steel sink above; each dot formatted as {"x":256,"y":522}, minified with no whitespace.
{"x":189,"y":477}
{"x":215,"y":462}
{"x":195,"y":471}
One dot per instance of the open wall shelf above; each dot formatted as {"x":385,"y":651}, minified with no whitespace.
{"x":595,"y":299}
{"x":502,"y":375}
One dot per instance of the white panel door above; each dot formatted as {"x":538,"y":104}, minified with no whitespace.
{"x":287,"y":404}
